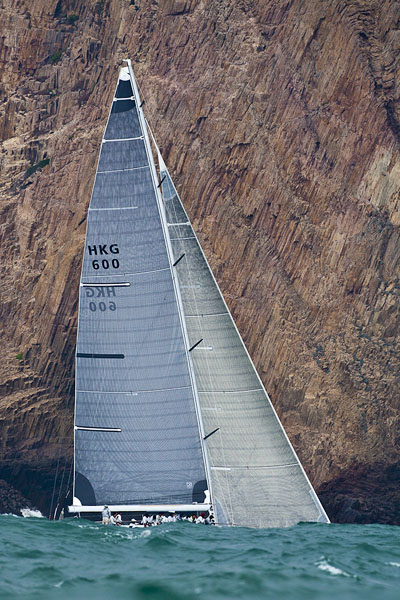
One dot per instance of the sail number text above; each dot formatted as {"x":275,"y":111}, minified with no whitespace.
{"x":101,"y":250}
{"x":101,"y":292}
{"x":102,"y":306}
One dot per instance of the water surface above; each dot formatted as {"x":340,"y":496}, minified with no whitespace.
{"x":77,"y":559}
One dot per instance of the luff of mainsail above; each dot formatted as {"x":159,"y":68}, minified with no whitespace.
{"x":138,"y":442}
{"x":256,"y":476}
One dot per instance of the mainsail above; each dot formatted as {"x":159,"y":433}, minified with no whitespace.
{"x":137,"y":434}
{"x":169,"y":407}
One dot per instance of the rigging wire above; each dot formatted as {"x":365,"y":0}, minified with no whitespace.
{"x":60,"y":489}
{"x":61,"y":446}
{"x":55,"y":481}
{"x":69,"y":477}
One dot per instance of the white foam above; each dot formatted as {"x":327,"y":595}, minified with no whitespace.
{"x":394,"y":564}
{"x":29,"y":512}
{"x":145,"y":533}
{"x":325,"y":566}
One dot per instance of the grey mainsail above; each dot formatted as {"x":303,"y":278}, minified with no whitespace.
{"x":137,"y":436}
{"x":169,"y":409}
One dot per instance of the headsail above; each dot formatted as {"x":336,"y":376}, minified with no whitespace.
{"x":137,"y":436}
{"x":256,"y":477}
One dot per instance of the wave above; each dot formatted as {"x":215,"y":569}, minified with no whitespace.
{"x":75,"y":558}
{"x":31,"y":512}
{"x":325,"y":566}
{"x":26,"y":513}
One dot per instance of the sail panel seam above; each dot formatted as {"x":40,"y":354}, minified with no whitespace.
{"x":122,"y":170}
{"x":106,"y":141}
{"x":116,"y":208}
{"x":137,"y":273}
{"x":230,"y":391}
{"x":145,"y":272}
{"x":136,"y":392}
{"x":207,"y":315}
{"x":249,"y":467}
{"x":177,"y":224}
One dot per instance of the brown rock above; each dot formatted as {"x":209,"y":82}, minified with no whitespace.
{"x":11,"y":501}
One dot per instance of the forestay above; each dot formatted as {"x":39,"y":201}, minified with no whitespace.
{"x":137,"y":437}
{"x":256,"y":477}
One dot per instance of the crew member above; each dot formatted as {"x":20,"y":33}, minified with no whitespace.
{"x":106,"y":514}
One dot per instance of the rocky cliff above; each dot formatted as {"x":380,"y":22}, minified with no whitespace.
{"x":280,"y":122}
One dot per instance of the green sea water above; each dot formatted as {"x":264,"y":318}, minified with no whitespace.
{"x":76,"y":559}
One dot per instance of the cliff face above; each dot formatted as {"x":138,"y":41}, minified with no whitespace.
{"x":280,"y":122}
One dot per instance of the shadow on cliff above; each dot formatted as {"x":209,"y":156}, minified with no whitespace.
{"x":364,"y":494}
{"x":43,"y":486}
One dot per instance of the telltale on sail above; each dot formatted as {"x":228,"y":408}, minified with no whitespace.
{"x":170,"y":413}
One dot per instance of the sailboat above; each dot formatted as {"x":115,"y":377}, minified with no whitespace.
{"x":170,"y":413}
